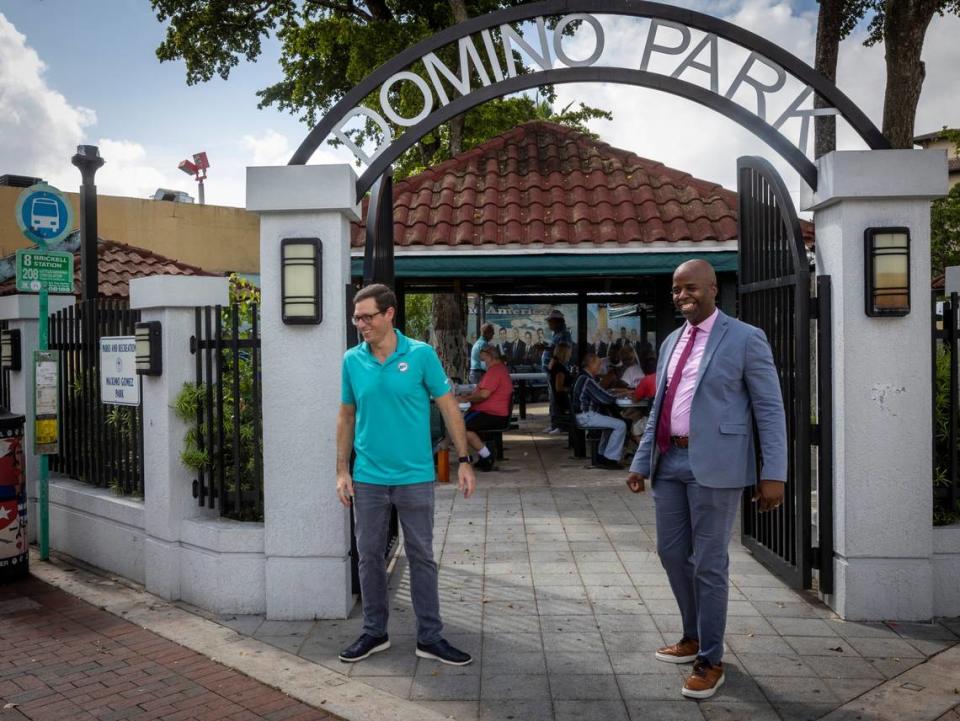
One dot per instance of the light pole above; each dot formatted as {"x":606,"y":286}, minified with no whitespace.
{"x":197,"y":168}
{"x":88,"y":160}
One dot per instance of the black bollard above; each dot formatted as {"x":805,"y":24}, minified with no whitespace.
{"x":88,"y":160}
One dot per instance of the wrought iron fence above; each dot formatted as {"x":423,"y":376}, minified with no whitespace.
{"x":99,"y":444}
{"x":946,"y":406}
{"x":225,"y":444}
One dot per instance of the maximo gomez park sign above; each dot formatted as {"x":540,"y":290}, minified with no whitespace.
{"x":753,"y":82}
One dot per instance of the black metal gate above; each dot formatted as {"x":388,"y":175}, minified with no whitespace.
{"x":776,"y":293}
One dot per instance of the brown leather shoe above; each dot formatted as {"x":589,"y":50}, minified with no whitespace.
{"x":683,"y":652}
{"x":704,"y":681}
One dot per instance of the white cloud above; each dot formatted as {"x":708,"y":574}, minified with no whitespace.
{"x":689,"y":137}
{"x":130,"y":171}
{"x":270,"y":148}
{"x":39,"y":127}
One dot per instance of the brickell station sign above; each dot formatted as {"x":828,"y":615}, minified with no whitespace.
{"x":51,"y":270}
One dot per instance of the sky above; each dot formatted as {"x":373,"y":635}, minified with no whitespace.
{"x":85,"y":72}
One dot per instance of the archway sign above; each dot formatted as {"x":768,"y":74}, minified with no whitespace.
{"x":770,"y":94}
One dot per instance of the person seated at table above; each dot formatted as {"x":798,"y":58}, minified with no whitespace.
{"x":631,"y":373}
{"x":647,"y":387}
{"x":490,"y":404}
{"x":595,"y":409}
{"x":609,"y":375}
{"x":560,"y":379}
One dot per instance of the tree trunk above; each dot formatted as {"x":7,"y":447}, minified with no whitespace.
{"x":829,"y":34}
{"x":905,"y":25}
{"x":459,"y":10}
{"x":449,"y":318}
{"x":449,"y":339}
{"x":456,"y":135}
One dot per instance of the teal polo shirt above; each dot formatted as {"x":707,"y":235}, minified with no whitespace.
{"x":392,"y":400}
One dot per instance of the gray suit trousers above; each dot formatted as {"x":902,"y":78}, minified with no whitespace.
{"x":694,"y":524}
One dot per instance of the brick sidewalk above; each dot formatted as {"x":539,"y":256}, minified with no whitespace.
{"x":65,"y":660}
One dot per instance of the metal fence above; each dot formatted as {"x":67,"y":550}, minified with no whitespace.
{"x":99,"y":444}
{"x":225,"y":445}
{"x":946,"y":405}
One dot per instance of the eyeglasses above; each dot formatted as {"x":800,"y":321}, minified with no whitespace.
{"x":366,"y":318}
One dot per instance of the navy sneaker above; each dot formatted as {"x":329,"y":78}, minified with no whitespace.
{"x":485,"y":464}
{"x":444,"y":652}
{"x":363,"y":647}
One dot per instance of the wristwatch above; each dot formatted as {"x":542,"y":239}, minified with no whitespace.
{"x":463,"y":459}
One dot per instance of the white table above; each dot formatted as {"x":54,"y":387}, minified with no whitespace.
{"x":631,"y":403}
{"x":521,"y":379}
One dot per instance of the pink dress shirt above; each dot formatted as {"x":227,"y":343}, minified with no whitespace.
{"x":680,"y":415}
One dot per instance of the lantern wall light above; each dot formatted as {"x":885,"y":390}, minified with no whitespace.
{"x":887,"y":273}
{"x":301,"y":262}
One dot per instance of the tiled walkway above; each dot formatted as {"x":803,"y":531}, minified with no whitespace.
{"x":549,"y":577}
{"x":65,"y":660}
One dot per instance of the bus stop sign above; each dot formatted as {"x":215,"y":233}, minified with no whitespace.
{"x":43,"y":214}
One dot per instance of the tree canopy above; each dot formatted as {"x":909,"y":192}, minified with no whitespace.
{"x":901,"y":25}
{"x":329,"y":46}
{"x":945,"y":222}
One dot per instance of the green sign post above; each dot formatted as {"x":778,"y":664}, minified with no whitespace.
{"x":44,"y":216}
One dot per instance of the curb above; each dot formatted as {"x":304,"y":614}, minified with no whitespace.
{"x":923,"y":693}
{"x":308,"y":682}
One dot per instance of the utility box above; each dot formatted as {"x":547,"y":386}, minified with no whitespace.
{"x":14,"y":552}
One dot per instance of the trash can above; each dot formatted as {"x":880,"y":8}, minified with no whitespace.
{"x":14,"y":552}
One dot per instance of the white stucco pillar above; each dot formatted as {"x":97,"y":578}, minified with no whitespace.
{"x":882,"y":427}
{"x":21,"y":312}
{"x":167,"y":483}
{"x":307,"y":531}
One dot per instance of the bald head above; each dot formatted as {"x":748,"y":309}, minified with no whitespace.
{"x":699,"y":269}
{"x":695,"y":290}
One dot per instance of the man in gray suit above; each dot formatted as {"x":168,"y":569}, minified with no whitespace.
{"x":716,"y":382}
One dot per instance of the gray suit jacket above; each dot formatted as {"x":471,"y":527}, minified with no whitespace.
{"x":737,"y":387}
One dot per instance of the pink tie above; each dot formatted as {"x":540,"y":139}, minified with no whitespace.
{"x":663,"y":421}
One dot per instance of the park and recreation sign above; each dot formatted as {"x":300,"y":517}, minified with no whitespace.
{"x":119,"y":382}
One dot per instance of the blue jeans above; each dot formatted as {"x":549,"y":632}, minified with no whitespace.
{"x":694,"y":524}
{"x":614,"y":433}
{"x":371,"y":512}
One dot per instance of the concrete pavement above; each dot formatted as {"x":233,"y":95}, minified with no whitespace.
{"x":549,"y":577}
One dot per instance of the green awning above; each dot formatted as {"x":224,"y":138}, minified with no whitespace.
{"x":547,"y":265}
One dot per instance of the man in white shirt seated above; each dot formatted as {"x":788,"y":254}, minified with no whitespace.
{"x":631,"y":373}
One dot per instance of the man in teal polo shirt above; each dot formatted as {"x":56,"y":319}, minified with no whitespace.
{"x":388,"y":381}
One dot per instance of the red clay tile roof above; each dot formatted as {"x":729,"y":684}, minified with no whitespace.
{"x":543,"y":183}
{"x":117,"y":264}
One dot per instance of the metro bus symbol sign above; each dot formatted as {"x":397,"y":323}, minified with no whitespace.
{"x":43,"y":214}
